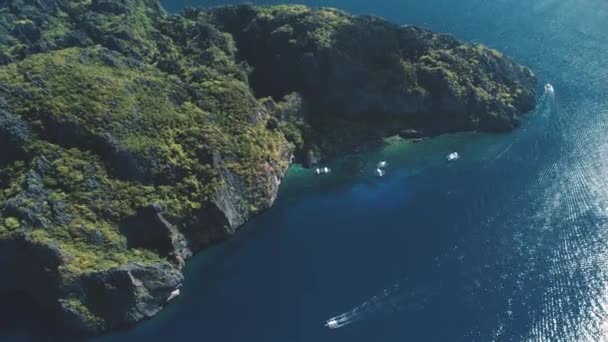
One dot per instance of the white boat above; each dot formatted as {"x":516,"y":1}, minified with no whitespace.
{"x":322,"y":170}
{"x":174,"y":295}
{"x":380,"y":172}
{"x":382,"y":164}
{"x":549,"y":88}
{"x":453,"y":156}
{"x":332,"y":324}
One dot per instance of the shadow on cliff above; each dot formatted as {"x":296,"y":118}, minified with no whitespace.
{"x":22,"y":319}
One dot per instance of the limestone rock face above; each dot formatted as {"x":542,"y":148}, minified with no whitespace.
{"x":118,"y":297}
{"x":31,"y":267}
{"x":149,"y":229}
{"x":132,"y":139}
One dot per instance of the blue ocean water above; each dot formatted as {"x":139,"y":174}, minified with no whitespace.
{"x":509,"y":243}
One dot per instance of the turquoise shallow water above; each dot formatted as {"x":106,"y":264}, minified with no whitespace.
{"x":509,"y":243}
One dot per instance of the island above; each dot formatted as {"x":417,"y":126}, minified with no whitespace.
{"x":132,"y":139}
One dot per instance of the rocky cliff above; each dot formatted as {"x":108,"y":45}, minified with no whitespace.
{"x":132,"y":139}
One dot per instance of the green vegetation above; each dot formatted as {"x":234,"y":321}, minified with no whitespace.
{"x":113,"y":135}
{"x":109,"y":108}
{"x":314,"y":26}
{"x":74,"y":303}
{"x":135,"y":108}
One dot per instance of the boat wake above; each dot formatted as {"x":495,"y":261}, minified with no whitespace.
{"x":544,"y":107}
{"x":391,"y":300}
{"x":549,"y":93}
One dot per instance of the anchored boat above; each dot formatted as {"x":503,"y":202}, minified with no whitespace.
{"x":453,"y":156}
{"x":322,"y":170}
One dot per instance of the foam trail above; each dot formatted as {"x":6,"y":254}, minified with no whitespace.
{"x":549,"y":94}
{"x":367,"y":309}
{"x":390,"y":300}
{"x":544,"y":107}
{"x":503,"y":152}
{"x":546,"y":100}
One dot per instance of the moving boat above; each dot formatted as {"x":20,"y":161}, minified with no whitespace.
{"x":332,"y":324}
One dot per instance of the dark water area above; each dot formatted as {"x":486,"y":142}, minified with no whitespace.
{"x":509,"y":243}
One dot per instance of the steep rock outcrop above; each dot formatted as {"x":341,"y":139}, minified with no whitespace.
{"x":26,"y":265}
{"x":14,"y":134}
{"x":149,"y":229}
{"x":118,"y":297}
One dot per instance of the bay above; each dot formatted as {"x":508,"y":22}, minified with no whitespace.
{"x":509,"y":243}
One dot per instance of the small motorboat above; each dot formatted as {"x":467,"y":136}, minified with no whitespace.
{"x":174,"y":295}
{"x":383,"y":164}
{"x":332,"y":324}
{"x":380,"y":172}
{"x":322,"y":170}
{"x":453,"y":156}
{"x":549,"y":88}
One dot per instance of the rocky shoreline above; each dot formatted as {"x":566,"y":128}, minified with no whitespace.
{"x":133,"y":139}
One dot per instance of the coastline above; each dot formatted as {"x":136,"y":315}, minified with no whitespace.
{"x":147,"y":194}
